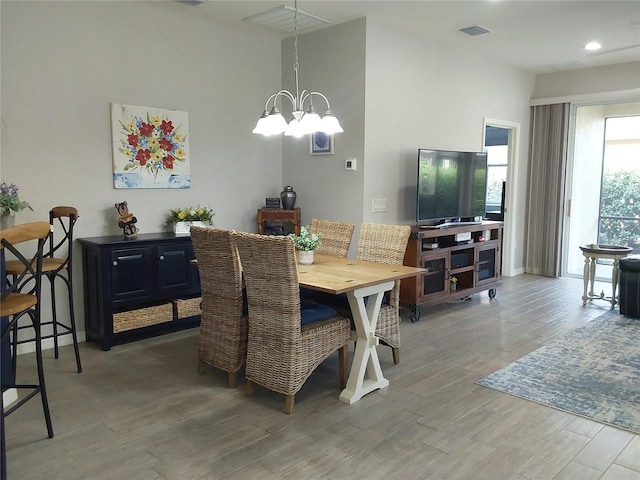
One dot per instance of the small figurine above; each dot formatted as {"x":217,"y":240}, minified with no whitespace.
{"x":127,"y":221}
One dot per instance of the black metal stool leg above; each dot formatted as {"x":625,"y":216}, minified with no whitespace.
{"x":41,"y":383}
{"x":72,"y":316}
{"x":3,"y":442}
{"x":54,"y":320}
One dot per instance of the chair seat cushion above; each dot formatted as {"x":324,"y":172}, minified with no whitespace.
{"x":339,"y":302}
{"x":311,"y":311}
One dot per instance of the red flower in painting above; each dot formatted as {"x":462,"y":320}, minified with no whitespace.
{"x":167,"y":162}
{"x":143,"y":156}
{"x":166,"y":145}
{"x":132,"y":138}
{"x":146,"y":129}
{"x":166,"y":127}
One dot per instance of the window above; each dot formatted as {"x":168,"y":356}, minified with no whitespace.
{"x":497,"y":159}
{"x":619,"y":213}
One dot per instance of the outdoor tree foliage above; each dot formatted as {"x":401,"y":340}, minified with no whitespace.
{"x":620,"y":197}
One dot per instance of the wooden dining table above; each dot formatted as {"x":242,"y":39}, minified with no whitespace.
{"x":359,"y":279}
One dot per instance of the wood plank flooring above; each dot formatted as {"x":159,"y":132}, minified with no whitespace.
{"x":141,"y":411}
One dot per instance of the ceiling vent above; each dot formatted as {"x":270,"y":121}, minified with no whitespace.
{"x":475,"y":30}
{"x":282,"y":19}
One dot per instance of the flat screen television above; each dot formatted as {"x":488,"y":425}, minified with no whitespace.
{"x":452,"y":186}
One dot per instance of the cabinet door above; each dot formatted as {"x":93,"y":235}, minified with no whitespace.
{"x":131,"y":273}
{"x":487,"y":263}
{"x":436,"y":281}
{"x":175,"y":272}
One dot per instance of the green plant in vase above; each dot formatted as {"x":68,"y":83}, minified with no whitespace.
{"x":10,"y":204}
{"x":306,"y":243}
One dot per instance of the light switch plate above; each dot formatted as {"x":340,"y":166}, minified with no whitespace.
{"x":378,"y":205}
{"x":350,"y":164}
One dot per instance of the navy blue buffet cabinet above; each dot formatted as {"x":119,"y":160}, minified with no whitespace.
{"x":139,"y":287}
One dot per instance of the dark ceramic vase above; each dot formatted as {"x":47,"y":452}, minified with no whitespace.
{"x":288,"y":197}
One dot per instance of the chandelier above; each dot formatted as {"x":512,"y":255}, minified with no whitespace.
{"x":304,"y":121}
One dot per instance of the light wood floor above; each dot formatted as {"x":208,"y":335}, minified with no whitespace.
{"x":141,"y":411}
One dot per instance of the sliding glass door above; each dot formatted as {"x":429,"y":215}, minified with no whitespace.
{"x":604,"y":183}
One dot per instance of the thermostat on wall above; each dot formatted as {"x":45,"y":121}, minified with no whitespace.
{"x":350,"y":164}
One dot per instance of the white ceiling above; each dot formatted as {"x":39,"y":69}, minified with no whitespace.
{"x":536,"y":35}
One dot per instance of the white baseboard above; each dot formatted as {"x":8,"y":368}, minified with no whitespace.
{"x":47,"y":343}
{"x":516,"y":272}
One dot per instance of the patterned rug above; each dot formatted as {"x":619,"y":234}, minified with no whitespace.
{"x":593,"y":371}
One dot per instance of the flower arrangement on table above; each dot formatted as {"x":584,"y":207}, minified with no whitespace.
{"x":190,"y":214}
{"x":10,"y":202}
{"x":153,"y":144}
{"x":306,"y":240}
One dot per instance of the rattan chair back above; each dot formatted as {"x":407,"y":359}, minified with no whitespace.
{"x":223,"y":327}
{"x":281,"y":354}
{"x":335,"y":236}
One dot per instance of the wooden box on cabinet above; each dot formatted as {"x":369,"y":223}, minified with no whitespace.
{"x":133,"y":283}
{"x":278,"y":222}
{"x":475,"y":265}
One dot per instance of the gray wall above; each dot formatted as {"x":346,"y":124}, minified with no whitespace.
{"x":64,"y":62}
{"x":395,"y":93}
{"x":593,"y":81}
{"x":332,"y":61}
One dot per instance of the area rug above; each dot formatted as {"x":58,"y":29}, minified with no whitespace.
{"x":593,"y":371}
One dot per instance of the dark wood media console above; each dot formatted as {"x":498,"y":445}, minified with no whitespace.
{"x":444,"y":253}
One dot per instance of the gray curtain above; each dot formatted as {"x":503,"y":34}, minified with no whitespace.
{"x":548,"y":162}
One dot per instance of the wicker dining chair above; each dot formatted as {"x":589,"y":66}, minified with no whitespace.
{"x":386,"y":244}
{"x":335,"y":237}
{"x":283,"y":350}
{"x":223,"y":324}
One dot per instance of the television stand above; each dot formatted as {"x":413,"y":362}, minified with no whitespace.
{"x":454,"y":270}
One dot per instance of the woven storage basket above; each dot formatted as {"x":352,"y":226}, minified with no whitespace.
{"x":142,"y":317}
{"x":188,"y":308}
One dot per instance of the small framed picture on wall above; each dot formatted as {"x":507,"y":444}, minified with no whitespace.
{"x":320,"y":143}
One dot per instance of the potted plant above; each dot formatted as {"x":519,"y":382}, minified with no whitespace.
{"x":306,"y":243}
{"x":183,"y":218}
{"x":10,"y":203}
{"x":453,"y":284}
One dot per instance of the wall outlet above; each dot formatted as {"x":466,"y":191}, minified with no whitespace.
{"x":379,"y":205}
{"x":350,"y":164}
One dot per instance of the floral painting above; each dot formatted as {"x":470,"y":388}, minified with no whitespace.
{"x":150,"y":147}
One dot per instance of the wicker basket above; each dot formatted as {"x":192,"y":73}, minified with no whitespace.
{"x":142,"y":317}
{"x":188,"y":308}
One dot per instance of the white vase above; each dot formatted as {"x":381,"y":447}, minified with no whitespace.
{"x":305,"y":257}
{"x":157,"y":176}
{"x":183,"y":228}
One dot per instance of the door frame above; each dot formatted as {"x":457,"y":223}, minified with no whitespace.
{"x":510,"y":200}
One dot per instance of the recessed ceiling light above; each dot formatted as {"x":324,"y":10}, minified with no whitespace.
{"x":592,"y":46}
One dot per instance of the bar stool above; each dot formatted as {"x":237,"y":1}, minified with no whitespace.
{"x":23,"y":297}
{"x":57,"y":264}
